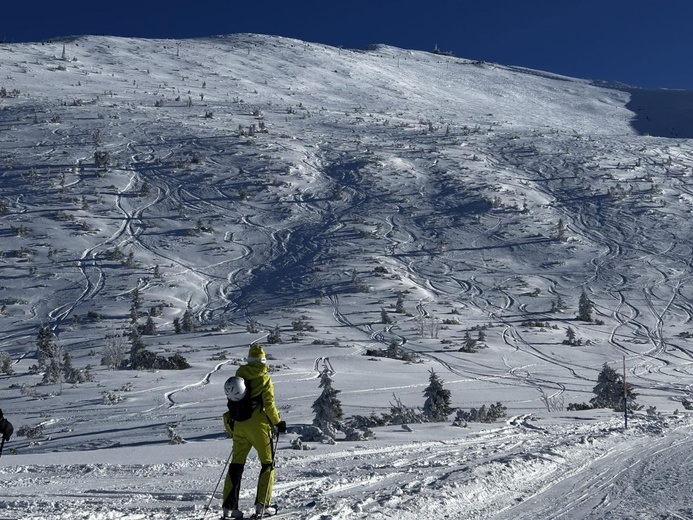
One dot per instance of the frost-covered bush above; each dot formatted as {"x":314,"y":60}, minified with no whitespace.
{"x":31,"y":432}
{"x":483,"y":414}
{"x":6,"y":363}
{"x":311,"y":434}
{"x":297,"y":444}
{"x":110,"y":398}
{"x":174,"y":437}
{"x":361,"y":422}
{"x":357,"y":434}
{"x":403,"y":414}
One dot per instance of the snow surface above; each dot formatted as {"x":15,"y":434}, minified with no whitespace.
{"x":381,"y":171}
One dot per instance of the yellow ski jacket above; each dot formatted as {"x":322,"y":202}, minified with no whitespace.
{"x":257,"y":376}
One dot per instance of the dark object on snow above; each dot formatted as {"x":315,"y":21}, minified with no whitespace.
{"x":6,"y":430}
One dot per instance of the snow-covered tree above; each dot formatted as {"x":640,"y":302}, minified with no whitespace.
{"x":52,"y":372}
{"x":6,"y":364}
{"x":327,"y":407}
{"x":571,"y":336}
{"x":275,"y":335}
{"x":437,"y":405}
{"x":188,"y":323}
{"x":135,"y":305}
{"x":585,"y":307}
{"x":560,"y":231}
{"x":47,"y":349}
{"x":149,"y":328}
{"x":609,"y":391}
{"x":399,"y":306}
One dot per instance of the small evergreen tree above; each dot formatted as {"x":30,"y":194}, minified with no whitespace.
{"x":47,"y":349}
{"x":437,"y":405}
{"x":135,"y":305}
{"x":385,"y":317}
{"x":187,"y":324}
{"x":399,"y":306}
{"x":327,"y":407}
{"x":115,"y":349}
{"x":560,"y":230}
{"x":570,"y":336}
{"x":558,"y":305}
{"x":149,"y":328}
{"x":469,"y":342}
{"x":275,"y":336}
{"x":394,"y":350}
{"x":52,"y":371}
{"x":140,"y":357}
{"x":70,"y":373}
{"x":252,"y":326}
{"x":585,"y":307}
{"x":609,"y":391}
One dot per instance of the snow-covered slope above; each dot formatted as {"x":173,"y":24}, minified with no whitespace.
{"x":264,"y":183}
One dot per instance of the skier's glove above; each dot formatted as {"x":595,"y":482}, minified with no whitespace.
{"x":281,"y":426}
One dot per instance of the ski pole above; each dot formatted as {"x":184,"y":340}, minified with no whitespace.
{"x":223,"y":471}
{"x":2,"y":445}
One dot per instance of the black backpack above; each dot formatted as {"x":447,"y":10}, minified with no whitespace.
{"x":240,"y":411}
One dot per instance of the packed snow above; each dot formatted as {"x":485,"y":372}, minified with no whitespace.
{"x":265,"y":184}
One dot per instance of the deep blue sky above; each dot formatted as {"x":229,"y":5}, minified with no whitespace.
{"x":640,"y":42}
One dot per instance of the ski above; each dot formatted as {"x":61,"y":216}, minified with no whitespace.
{"x":276,"y":516}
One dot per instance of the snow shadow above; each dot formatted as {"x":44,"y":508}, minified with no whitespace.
{"x":661,"y":112}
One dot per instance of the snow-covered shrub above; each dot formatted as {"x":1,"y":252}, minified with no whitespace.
{"x":30,"y":432}
{"x":483,"y":414}
{"x":110,"y":398}
{"x":361,"y":422}
{"x":6,"y":363}
{"x":275,"y":336}
{"x":460,"y":421}
{"x":402,"y":414}
{"x":174,"y":437}
{"x":102,"y":158}
{"x":297,"y":444}
{"x":357,"y":434}
{"x":311,"y":434}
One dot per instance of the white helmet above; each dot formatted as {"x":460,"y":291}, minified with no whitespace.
{"x":235,"y":388}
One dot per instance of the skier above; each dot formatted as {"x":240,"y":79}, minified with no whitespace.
{"x":253,"y":382}
{"x":6,"y":430}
